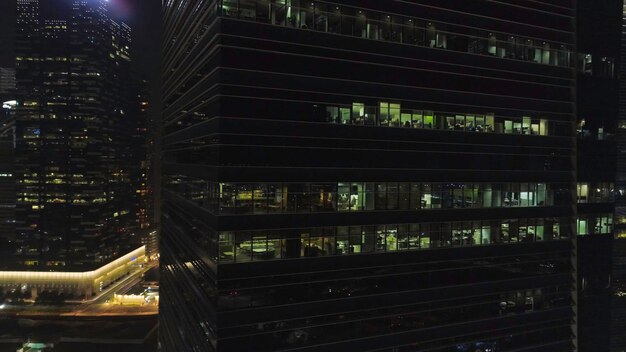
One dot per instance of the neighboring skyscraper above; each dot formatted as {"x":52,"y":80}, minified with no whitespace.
{"x":599,"y":27}
{"x":74,"y":202}
{"x":368,"y":176}
{"x":7,"y":80}
{"x":8,"y":105}
{"x":618,"y":275}
{"x":142,"y":151}
{"x":7,"y":181}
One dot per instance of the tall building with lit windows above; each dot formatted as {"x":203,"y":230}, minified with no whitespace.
{"x":369,"y":176}
{"x":7,"y":178}
{"x":74,"y":202}
{"x":618,"y":274}
{"x":598,"y":47}
{"x":142,"y":154}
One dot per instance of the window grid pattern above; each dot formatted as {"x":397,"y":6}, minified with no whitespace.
{"x":246,"y":246}
{"x":344,"y":20}
{"x":393,"y":115}
{"x":273,"y":198}
{"x":594,"y":224}
{"x":602,"y":192}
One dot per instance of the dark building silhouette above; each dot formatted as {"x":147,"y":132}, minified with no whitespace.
{"x":141,"y":152}
{"x":369,"y":176}
{"x":7,"y":80}
{"x":598,"y":44}
{"x":73,"y":129}
{"x":7,"y":174}
{"x":618,"y":275}
{"x":8,"y":105}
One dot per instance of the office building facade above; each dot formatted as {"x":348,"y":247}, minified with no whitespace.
{"x":74,"y":202}
{"x":598,"y":46}
{"x":368,"y":176}
{"x":618,"y":274}
{"x":7,"y":179}
{"x":142,"y":150}
{"x":7,"y":80}
{"x":8,"y":105}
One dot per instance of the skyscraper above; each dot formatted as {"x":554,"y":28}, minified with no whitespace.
{"x":618,"y":274}
{"x":74,"y":202}
{"x":7,"y":179}
{"x":368,"y":176}
{"x":598,"y":45}
{"x":7,"y":80}
{"x":142,"y":154}
{"x":8,"y":104}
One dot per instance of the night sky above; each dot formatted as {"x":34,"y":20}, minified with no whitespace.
{"x":142,"y":15}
